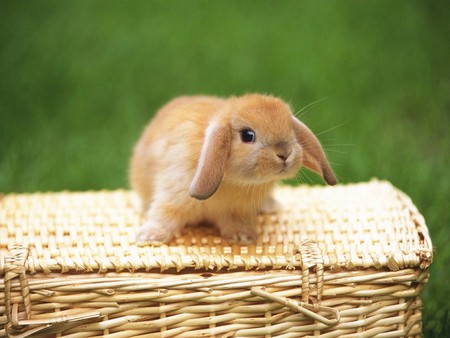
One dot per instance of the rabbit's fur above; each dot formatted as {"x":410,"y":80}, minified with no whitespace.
{"x":197,"y":161}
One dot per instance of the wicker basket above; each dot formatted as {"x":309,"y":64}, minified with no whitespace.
{"x":337,"y":261}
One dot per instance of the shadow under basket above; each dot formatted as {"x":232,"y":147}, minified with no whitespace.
{"x":343,"y":261}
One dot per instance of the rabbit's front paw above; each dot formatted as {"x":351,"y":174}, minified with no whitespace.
{"x":151,"y":233}
{"x":243,"y":236}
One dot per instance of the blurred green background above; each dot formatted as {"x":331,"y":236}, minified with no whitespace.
{"x":80,"y":79}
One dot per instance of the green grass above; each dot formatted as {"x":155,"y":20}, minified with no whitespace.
{"x":79,"y":80}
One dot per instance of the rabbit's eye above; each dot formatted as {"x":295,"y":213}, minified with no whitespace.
{"x":248,"y":136}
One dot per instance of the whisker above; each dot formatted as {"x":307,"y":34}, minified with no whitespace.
{"x":335,"y":151}
{"x":330,"y":129}
{"x":296,"y":180}
{"x":304,"y":111}
{"x":300,"y":178}
{"x":305,"y":146}
{"x":307,"y":176}
{"x":340,"y":178}
{"x":308,"y":106}
{"x":339,"y":144}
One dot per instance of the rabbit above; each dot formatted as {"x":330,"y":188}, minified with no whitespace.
{"x":208,"y":159}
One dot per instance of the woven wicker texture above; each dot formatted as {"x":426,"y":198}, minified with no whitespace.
{"x":348,"y":260}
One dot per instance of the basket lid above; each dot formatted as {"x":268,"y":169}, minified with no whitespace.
{"x":364,"y":225}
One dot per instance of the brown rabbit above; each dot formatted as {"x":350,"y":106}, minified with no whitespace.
{"x":217,"y":160}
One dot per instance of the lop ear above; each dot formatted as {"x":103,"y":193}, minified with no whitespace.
{"x":211,"y":165}
{"x":314,"y":157}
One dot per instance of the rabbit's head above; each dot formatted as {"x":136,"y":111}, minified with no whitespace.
{"x":255,"y":139}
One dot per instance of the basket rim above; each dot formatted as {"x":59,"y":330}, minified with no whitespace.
{"x":416,"y":253}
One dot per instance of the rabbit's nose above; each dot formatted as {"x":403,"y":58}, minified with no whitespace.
{"x":283,"y":150}
{"x":282,"y":157}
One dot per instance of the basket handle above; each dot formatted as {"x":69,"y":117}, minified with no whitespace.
{"x":301,"y":307}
